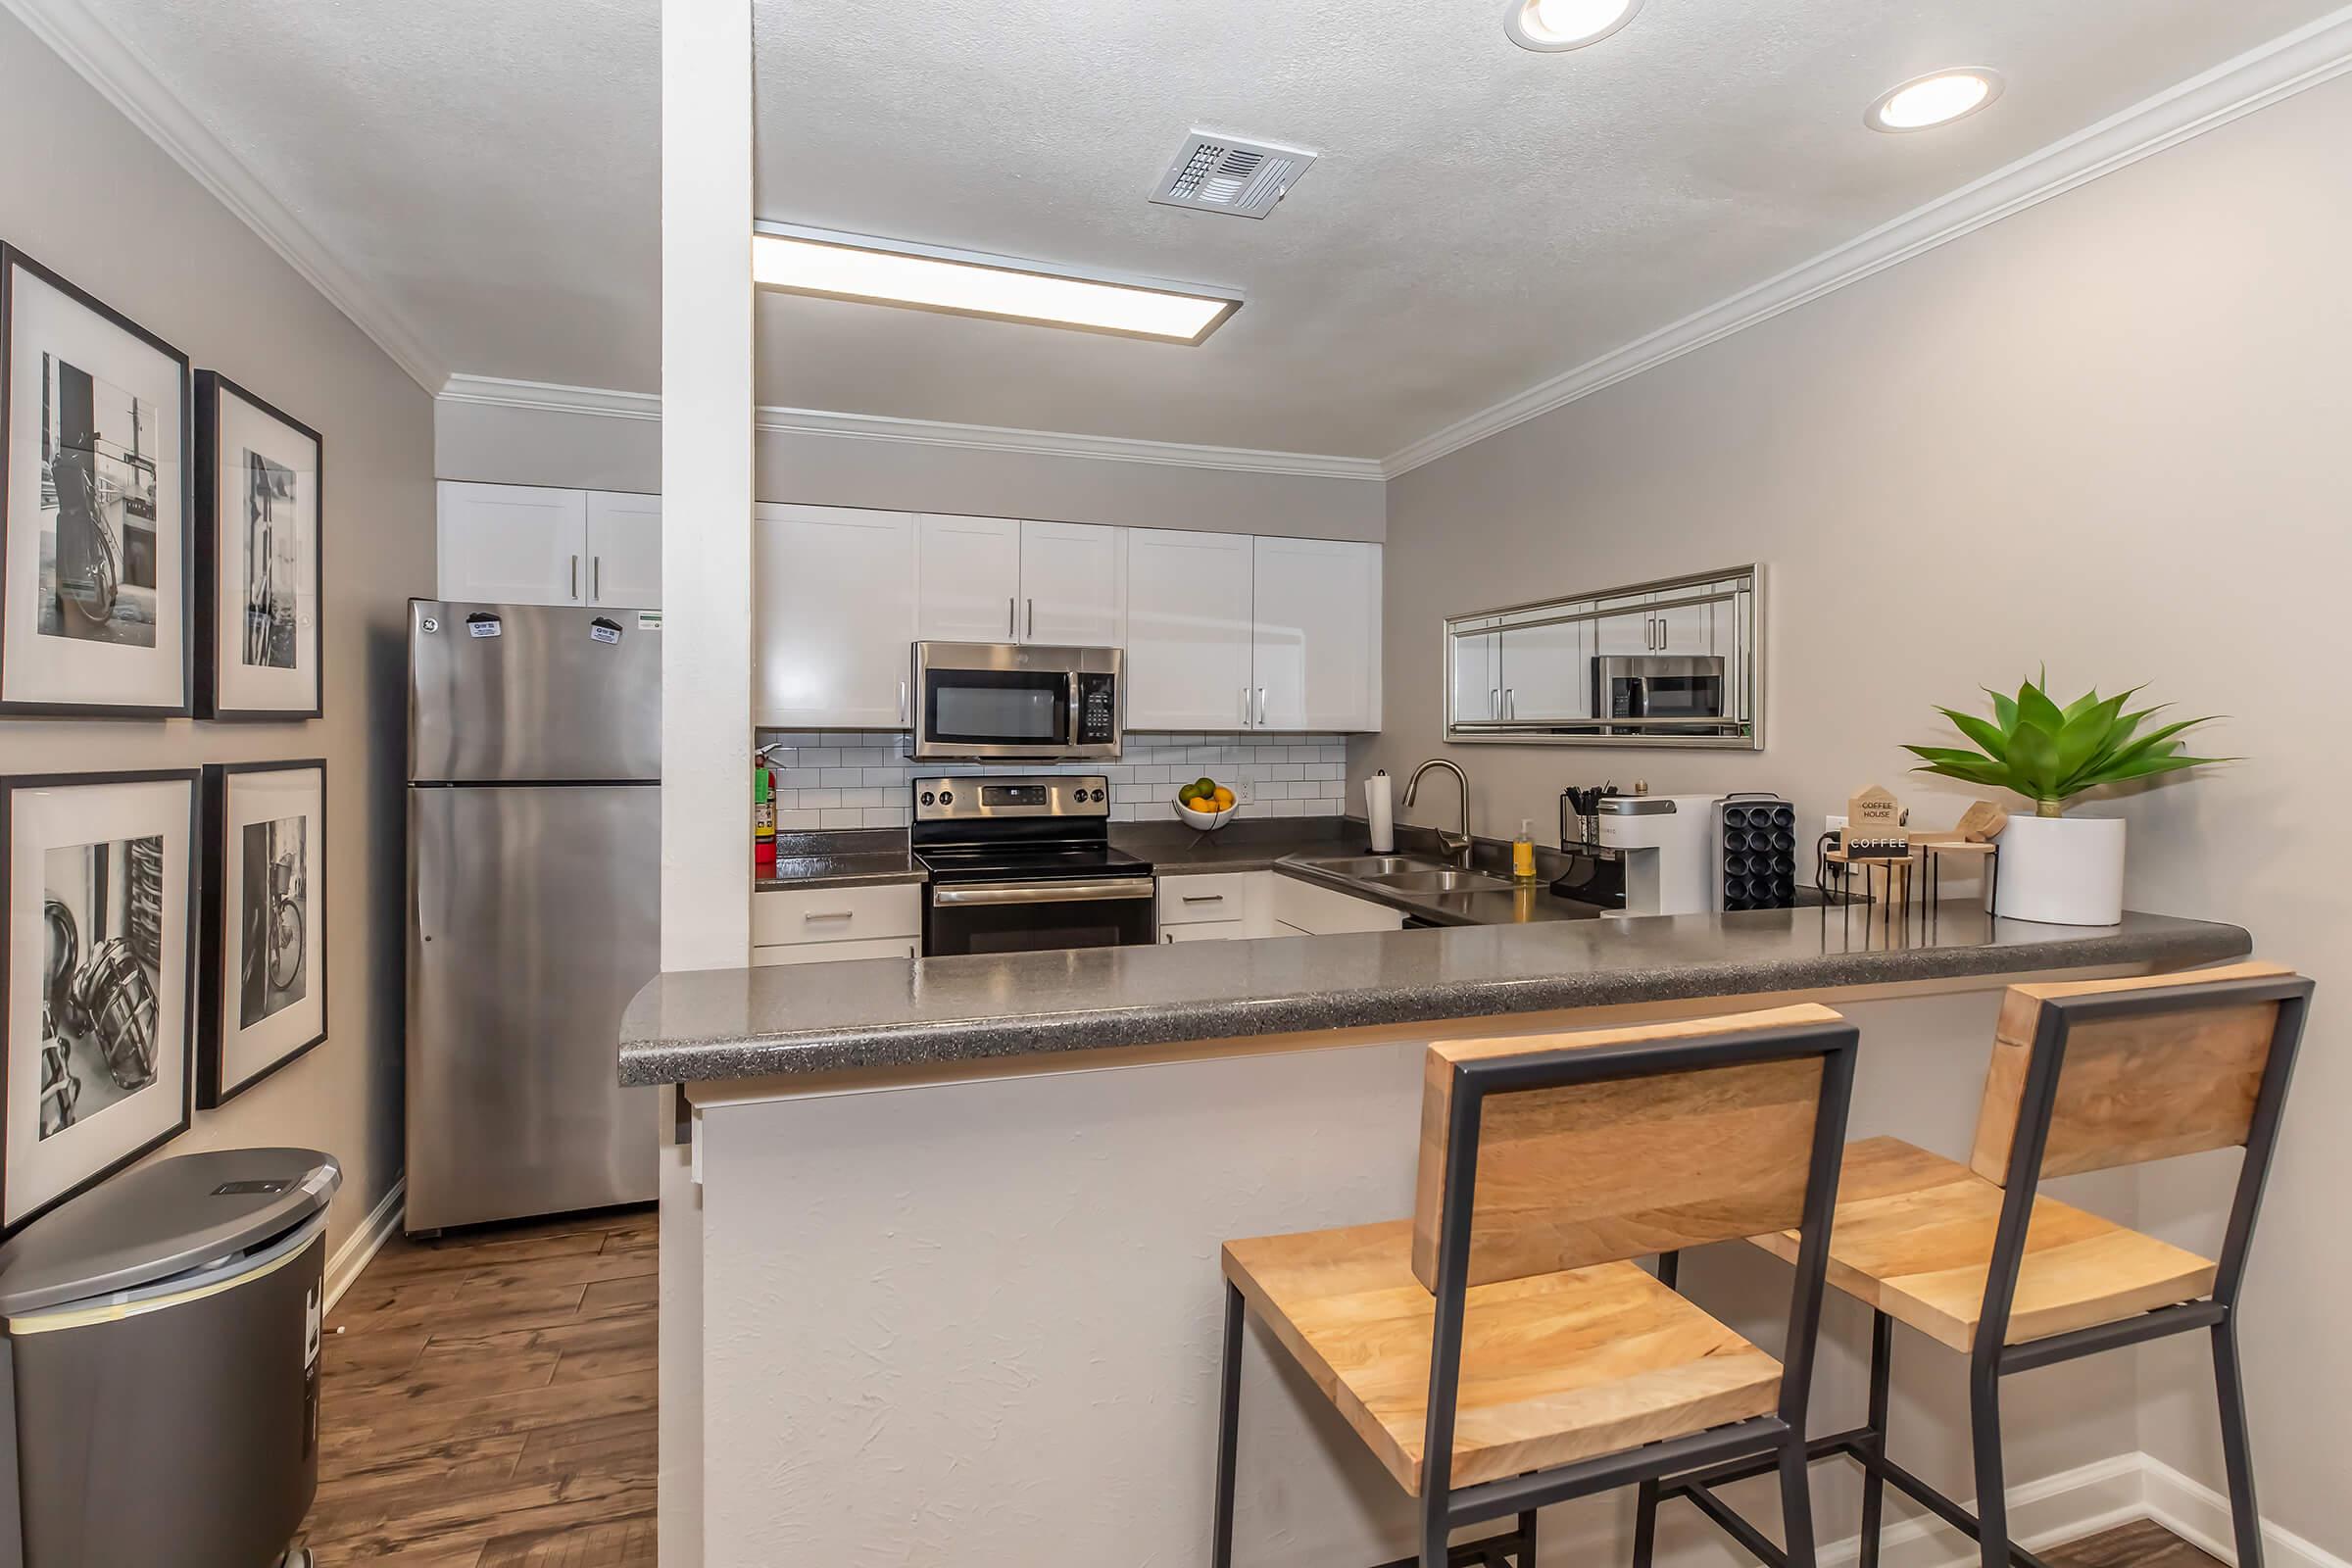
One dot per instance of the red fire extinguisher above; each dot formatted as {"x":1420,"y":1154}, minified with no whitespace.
{"x":763,"y":810}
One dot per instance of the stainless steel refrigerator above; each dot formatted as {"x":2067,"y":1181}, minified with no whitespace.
{"x":535,"y":884}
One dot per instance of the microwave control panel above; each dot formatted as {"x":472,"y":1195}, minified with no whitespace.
{"x":1098,"y":709}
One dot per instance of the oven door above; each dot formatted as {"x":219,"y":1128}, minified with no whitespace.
{"x":1016,"y":917}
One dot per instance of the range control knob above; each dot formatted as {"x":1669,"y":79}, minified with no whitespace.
{"x":946,"y":796}
{"x":929,"y":798}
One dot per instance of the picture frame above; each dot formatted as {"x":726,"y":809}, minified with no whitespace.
{"x":96,"y":582}
{"x":260,"y":507}
{"x":98,"y":910}
{"x":261,"y":969}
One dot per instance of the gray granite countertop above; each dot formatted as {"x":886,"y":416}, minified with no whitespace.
{"x":889,"y":1012}
{"x":842,"y":858}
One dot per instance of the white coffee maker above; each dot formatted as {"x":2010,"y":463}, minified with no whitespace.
{"x":1662,"y":840}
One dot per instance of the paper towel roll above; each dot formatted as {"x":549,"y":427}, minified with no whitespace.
{"x":1380,"y":811}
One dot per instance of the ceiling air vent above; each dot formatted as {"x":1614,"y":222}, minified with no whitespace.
{"x":1226,"y":175}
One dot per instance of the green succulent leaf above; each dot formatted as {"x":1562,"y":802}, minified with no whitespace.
{"x":2051,"y":753}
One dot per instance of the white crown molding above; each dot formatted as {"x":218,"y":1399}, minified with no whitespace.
{"x":2311,"y":54}
{"x":125,"y":81}
{"x":546,"y":397}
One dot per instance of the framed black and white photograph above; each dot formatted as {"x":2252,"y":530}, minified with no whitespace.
{"x":258,"y":473}
{"x":262,"y":957}
{"x":95,"y":582}
{"x":99,"y":936}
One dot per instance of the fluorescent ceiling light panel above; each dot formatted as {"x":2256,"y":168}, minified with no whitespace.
{"x":852,"y":266}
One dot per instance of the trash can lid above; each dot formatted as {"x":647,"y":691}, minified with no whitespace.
{"x":162,"y":1219}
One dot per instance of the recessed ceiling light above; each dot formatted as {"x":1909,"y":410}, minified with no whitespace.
{"x":926,"y":277}
{"x":1550,"y":26}
{"x":1936,"y":99}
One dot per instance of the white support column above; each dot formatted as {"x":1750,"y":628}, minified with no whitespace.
{"x":707,"y":657}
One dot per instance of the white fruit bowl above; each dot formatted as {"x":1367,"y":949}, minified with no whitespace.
{"x":1206,"y":820}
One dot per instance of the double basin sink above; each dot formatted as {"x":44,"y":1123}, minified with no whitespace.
{"x":1406,"y":873}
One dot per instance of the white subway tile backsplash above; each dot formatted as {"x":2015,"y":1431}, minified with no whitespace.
{"x":851,"y":778}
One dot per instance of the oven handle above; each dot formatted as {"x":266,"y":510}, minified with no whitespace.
{"x":969,"y":892}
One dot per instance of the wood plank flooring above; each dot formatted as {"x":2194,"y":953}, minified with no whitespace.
{"x":487,"y":1401}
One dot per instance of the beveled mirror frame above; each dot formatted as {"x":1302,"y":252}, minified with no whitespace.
{"x":1727,"y":604}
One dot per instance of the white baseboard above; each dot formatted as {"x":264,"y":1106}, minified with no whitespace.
{"x":360,"y":1248}
{"x":2200,"y":1516}
{"x":2073,"y":1503}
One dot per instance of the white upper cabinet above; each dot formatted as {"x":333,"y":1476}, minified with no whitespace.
{"x":1315,"y":651}
{"x":1687,"y":629}
{"x":1545,"y":672}
{"x":512,"y":544}
{"x":834,"y":596}
{"x":1477,"y":676}
{"x":625,"y":550}
{"x":516,"y":544}
{"x":1189,"y":630}
{"x":972,"y":579}
{"x":1073,"y":585}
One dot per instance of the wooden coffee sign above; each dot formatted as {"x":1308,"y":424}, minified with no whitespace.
{"x":1873,"y":826}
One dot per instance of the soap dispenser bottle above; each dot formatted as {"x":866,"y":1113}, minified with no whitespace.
{"x":1523,"y":851}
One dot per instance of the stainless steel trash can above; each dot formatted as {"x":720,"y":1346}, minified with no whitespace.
{"x":161,"y":1365}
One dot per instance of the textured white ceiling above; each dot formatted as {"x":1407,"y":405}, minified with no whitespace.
{"x":1482,"y":218}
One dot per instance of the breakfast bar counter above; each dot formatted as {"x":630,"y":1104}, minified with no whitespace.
{"x":940,"y":1237}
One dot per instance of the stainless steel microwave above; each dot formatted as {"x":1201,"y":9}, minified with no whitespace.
{"x":1016,"y":701}
{"x":1686,"y":688}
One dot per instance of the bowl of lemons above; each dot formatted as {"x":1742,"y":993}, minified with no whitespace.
{"x":1205,"y":803}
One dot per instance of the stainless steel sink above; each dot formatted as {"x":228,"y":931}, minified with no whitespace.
{"x":1371,"y":867}
{"x":1440,"y":882}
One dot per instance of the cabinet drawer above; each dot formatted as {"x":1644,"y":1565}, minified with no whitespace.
{"x":838,"y":951}
{"x":1194,"y":899}
{"x":1205,"y":930}
{"x":836,"y":915}
{"x":1320,"y":911}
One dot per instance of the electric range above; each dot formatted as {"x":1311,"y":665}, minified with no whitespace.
{"x":1023,"y":864}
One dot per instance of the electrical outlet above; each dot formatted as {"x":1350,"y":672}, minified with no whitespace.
{"x":1833,"y":821}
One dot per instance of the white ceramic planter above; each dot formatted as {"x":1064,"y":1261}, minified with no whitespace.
{"x":2062,"y":871}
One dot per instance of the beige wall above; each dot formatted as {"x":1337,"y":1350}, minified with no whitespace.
{"x":2110,"y":432}
{"x":91,"y":197}
{"x":499,"y":444}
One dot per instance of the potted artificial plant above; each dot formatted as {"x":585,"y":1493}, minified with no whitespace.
{"x":2066,"y":870}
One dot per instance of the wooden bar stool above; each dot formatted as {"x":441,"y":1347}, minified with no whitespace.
{"x":1500,"y":1351}
{"x":2086,"y":1076}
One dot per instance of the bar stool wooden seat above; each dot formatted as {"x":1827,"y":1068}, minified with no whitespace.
{"x":1500,"y":1351}
{"x":2086,"y":1076}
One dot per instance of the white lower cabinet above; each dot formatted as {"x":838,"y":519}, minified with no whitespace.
{"x":1206,"y":931}
{"x":1321,"y":911}
{"x":891,"y":913}
{"x":1233,"y":905}
{"x":838,"y":951}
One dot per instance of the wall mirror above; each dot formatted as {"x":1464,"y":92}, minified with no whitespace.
{"x":1676,"y":662}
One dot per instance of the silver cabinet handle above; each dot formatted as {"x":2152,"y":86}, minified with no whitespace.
{"x":1510,"y":702}
{"x":1245,"y":707}
{"x":596,"y":579}
{"x":828,"y":915}
{"x":969,"y":892}
{"x":1495,"y":702}
{"x":575,"y":578}
{"x":1261,"y":707}
{"x":1011,"y":614}
{"x":1204,"y":898}
{"x":1032,"y":619}
{"x":902,"y":701}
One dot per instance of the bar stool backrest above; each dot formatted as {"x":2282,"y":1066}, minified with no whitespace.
{"x":1612,"y":1144}
{"x":2152,"y":1066}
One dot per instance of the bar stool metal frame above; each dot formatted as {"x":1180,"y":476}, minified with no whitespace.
{"x":1779,"y":1436}
{"x":1992,"y":1358}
